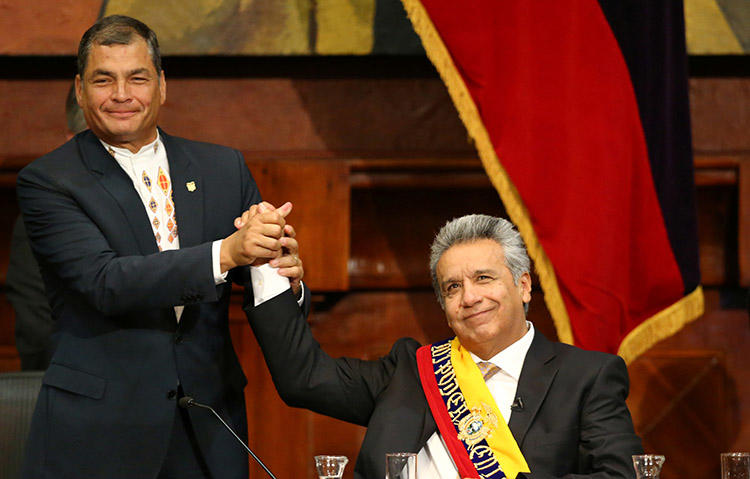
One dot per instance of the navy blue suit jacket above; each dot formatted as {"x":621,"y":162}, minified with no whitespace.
{"x":574,"y":422}
{"x":107,"y":405}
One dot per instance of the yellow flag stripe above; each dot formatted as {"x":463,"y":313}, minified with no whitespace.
{"x":476,"y":394}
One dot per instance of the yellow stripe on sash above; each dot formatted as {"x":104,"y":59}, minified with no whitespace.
{"x":478,"y":397}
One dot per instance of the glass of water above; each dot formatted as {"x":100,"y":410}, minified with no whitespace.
{"x":330,"y":467}
{"x":735,"y":465}
{"x":648,"y":466}
{"x":401,"y":465}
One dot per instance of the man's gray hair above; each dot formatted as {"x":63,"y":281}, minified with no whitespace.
{"x":117,"y":30}
{"x":475,"y":227}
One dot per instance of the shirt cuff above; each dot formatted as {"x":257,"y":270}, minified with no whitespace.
{"x":219,"y":277}
{"x":267,"y":283}
{"x":301,"y":293}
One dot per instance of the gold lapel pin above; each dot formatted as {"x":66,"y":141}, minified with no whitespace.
{"x":190,"y":186}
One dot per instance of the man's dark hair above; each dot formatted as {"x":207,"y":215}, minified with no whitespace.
{"x":117,"y":30}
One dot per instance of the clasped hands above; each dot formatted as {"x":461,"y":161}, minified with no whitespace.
{"x":263,"y":236}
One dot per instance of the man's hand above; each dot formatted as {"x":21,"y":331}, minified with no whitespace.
{"x":289,"y":263}
{"x":258,"y":237}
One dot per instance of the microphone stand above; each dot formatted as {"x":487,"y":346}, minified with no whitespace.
{"x":187,"y":402}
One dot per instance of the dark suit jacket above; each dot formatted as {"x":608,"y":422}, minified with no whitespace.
{"x":574,"y":422}
{"x":107,"y":405}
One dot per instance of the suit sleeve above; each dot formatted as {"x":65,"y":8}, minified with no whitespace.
{"x":607,"y":440}
{"x":304,"y":375}
{"x":71,"y":247}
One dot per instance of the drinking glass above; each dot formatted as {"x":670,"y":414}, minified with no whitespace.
{"x":330,"y":467}
{"x":647,"y":466}
{"x":401,"y":465}
{"x":735,"y":465}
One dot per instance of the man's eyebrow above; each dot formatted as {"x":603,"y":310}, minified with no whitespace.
{"x":485,"y":271}
{"x":99,"y":71}
{"x":477,"y":272}
{"x":448,"y":281}
{"x":138,"y":71}
{"x":135,"y":71}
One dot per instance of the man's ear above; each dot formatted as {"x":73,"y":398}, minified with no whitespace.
{"x":79,"y":89}
{"x":163,"y":87}
{"x":524,"y":287}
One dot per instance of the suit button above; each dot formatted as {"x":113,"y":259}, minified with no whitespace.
{"x":178,"y":338}
{"x":171,"y":394}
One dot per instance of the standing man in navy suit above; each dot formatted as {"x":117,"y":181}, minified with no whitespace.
{"x":137,"y":242}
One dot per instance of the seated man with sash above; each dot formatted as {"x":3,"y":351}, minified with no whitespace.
{"x":497,"y":400}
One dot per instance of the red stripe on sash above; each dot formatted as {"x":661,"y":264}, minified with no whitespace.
{"x":456,"y":449}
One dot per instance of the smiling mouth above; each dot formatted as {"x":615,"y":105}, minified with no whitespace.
{"x":476,"y":315}
{"x":122,"y":114}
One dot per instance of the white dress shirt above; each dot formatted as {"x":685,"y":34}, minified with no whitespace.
{"x":434,"y":461}
{"x":148,"y":169}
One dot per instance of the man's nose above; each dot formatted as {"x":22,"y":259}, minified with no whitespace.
{"x":470,"y":294}
{"x":121,"y":92}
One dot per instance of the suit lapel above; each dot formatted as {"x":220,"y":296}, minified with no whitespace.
{"x":120,"y":187}
{"x":187,"y":190}
{"x":538,"y":372}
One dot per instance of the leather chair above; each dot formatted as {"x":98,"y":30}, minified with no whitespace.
{"x":18,"y":392}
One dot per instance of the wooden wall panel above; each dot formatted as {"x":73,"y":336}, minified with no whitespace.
{"x":341,"y":115}
{"x":393,"y":228}
{"x":743,"y":222}
{"x":717,"y":232}
{"x":270,"y":117}
{"x":725,"y":327}
{"x":683,"y":394}
{"x":276,"y":115}
{"x":32,"y":115}
{"x":25,"y":27}
{"x":720,"y":114}
{"x":319,"y":191}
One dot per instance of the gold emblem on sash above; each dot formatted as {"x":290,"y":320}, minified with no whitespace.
{"x":477,"y":425}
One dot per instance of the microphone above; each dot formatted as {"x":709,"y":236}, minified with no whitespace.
{"x":517,"y":404}
{"x":186,"y":402}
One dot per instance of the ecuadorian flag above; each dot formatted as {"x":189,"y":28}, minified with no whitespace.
{"x":579,"y":112}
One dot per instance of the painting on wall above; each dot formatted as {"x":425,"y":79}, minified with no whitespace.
{"x":294,"y":27}
{"x":717,"y":27}
{"x":273,"y":27}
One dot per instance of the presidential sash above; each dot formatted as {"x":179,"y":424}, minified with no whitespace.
{"x":474,"y":431}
